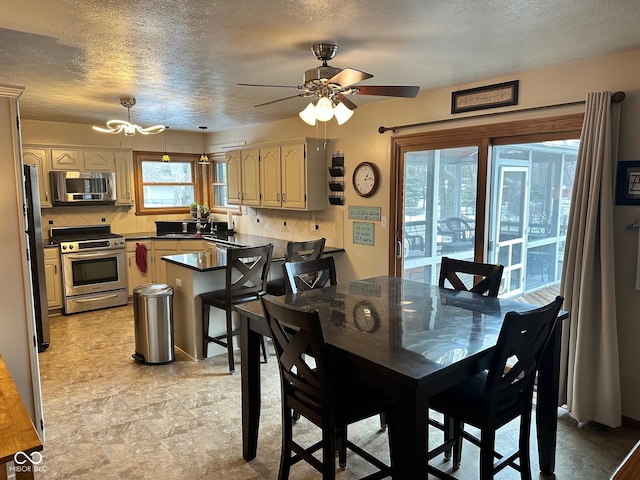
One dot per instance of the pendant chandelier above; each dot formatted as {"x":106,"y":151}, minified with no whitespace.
{"x":165,"y":158}
{"x":204,"y":160}
{"x":117,"y":126}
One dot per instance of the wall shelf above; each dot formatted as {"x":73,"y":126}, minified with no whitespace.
{"x":336,"y":184}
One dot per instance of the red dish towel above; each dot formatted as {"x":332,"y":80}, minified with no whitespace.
{"x":141,"y":257}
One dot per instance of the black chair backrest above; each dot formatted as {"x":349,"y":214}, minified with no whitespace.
{"x":247,"y":270}
{"x":489,"y":285}
{"x":301,"y":276}
{"x":303,"y":251}
{"x":297,"y":338}
{"x":522,"y":338}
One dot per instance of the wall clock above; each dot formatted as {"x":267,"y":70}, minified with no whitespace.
{"x":366,"y":317}
{"x":366,"y":179}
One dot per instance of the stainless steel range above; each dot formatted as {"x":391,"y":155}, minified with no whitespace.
{"x":93,"y":267}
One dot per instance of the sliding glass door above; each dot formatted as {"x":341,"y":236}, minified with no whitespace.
{"x":501,"y":198}
{"x":439,"y":211}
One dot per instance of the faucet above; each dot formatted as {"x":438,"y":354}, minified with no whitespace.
{"x":213,"y":226}
{"x":200,"y":227}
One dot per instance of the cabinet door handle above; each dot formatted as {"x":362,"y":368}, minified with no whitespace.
{"x":278,"y":197}
{"x":239,"y":196}
{"x":46,"y":196}
{"x":55,"y":269}
{"x":284,"y":197}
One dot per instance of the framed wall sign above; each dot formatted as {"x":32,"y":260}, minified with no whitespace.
{"x":364,"y":233}
{"x":489,"y":96}
{"x":628,"y":183}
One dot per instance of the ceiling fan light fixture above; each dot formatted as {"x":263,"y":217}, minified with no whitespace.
{"x":307,"y":115}
{"x":324,"y":109}
{"x":342,"y":113}
{"x":165,"y":158}
{"x":204,"y":160}
{"x":129,"y":129}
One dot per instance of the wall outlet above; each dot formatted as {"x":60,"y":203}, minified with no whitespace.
{"x":104,"y":220}
{"x":178,"y":282}
{"x":244,"y":210}
{"x":50,"y":222}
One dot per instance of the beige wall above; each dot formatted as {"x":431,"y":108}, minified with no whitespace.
{"x":359,"y":141}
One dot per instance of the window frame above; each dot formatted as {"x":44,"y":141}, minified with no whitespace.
{"x":140,"y":157}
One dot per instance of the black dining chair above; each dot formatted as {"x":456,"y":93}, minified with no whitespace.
{"x":302,"y":276}
{"x":321,"y":392}
{"x":491,"y":275}
{"x":500,"y":394}
{"x":296,"y":252}
{"x":245,"y":280}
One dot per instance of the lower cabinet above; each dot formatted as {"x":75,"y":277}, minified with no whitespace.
{"x":135,"y":276}
{"x":53,"y":277}
{"x":156,"y":267}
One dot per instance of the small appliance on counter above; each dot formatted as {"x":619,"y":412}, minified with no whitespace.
{"x":93,"y":267}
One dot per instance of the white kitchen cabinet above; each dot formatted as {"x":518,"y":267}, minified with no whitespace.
{"x":123,"y":166}
{"x":53,"y":277}
{"x":41,"y":159}
{"x":67,"y":159}
{"x":191,"y":246}
{"x":293,"y":177}
{"x":243,"y":177}
{"x":135,"y":276}
{"x":99,"y":160}
{"x":160,"y":249}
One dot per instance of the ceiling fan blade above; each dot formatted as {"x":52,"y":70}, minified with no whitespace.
{"x":261,"y":85}
{"x":279,"y":100}
{"x":389,"y":91}
{"x":347,"y":103}
{"x":349,"y":76}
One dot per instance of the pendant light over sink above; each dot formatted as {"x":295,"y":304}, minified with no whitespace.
{"x":204,"y":160}
{"x":165,"y":158}
{"x":129,"y":129}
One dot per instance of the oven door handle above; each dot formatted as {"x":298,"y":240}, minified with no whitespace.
{"x":91,"y":255}
{"x":95,"y":299}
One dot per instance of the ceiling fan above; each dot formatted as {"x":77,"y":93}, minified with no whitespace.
{"x":329,"y":86}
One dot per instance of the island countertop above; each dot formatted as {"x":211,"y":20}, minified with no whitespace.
{"x":214,"y":260}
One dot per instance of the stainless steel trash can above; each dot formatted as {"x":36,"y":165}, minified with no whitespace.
{"x":153,"y":319}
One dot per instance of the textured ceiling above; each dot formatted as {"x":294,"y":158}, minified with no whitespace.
{"x":182,"y":59}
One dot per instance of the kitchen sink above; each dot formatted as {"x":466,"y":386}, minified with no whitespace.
{"x":180,"y":235}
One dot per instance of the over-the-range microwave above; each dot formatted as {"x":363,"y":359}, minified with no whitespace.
{"x":88,"y":187}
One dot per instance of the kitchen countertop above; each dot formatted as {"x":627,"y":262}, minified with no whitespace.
{"x":213,"y":260}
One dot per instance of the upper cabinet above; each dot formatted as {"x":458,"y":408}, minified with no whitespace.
{"x":49,"y":158}
{"x":243,"y":177}
{"x":290,"y":176}
{"x":40,"y":158}
{"x":67,"y":159}
{"x":123,"y":164}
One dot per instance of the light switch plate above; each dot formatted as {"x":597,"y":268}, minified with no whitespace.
{"x":383,"y":222}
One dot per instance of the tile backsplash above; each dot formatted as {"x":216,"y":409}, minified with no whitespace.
{"x":280,"y":224}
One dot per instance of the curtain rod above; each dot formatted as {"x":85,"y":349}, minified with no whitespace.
{"x":617,"y":97}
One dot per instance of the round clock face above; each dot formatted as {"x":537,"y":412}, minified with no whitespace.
{"x":365,"y":179}
{"x":366,"y":317}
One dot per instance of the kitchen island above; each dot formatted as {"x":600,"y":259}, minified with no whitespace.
{"x":191,"y":274}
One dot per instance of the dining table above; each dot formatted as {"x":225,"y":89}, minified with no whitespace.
{"x":412,"y":340}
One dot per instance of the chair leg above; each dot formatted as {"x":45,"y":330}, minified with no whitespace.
{"x":457,"y":447}
{"x":205,"y":329}
{"x":329,"y":454}
{"x":232,"y":363}
{"x":341,"y":445}
{"x":487,"y":446}
{"x":525,"y":432}
{"x":448,"y":434}
{"x":383,"y":421}
{"x":265,"y":349}
{"x":285,"y":453}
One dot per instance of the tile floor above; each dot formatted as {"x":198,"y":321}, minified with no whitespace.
{"x":107,"y":417}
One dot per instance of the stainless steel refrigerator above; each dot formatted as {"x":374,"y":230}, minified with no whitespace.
{"x":36,"y":255}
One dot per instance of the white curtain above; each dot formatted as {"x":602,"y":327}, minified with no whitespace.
{"x":590,"y":339}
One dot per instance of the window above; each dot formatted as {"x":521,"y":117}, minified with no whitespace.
{"x":218,"y":183}
{"x":165,"y":187}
